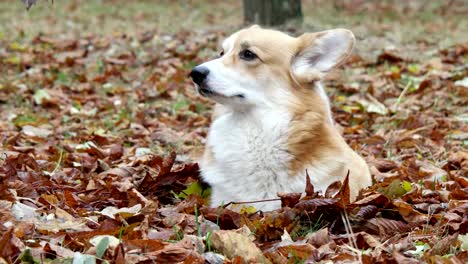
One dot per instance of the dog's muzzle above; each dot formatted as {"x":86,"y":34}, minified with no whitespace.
{"x":199,"y":74}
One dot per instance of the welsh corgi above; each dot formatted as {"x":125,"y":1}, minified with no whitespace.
{"x":272,"y":119}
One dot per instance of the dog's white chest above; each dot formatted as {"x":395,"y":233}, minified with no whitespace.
{"x":251,"y":158}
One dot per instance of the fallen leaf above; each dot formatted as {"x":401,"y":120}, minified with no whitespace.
{"x":232,"y":244}
{"x":289,"y":199}
{"x":111,"y":211}
{"x":36,"y":131}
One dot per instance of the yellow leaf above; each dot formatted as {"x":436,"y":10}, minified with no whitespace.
{"x":406,"y":186}
{"x":247,"y":210}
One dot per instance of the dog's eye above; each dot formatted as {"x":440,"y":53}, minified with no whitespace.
{"x":221,"y":53}
{"x":247,"y":55}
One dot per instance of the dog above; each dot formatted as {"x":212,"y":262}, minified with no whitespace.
{"x":272,"y":120}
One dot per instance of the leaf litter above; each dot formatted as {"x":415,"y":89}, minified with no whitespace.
{"x":96,"y":160}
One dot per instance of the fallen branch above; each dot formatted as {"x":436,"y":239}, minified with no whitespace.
{"x":256,"y":201}
{"x":398,"y":101}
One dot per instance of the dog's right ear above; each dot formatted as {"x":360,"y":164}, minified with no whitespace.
{"x":319,"y":52}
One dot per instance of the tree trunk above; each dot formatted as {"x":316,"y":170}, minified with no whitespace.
{"x":271,"y":12}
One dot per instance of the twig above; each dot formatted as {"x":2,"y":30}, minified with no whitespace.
{"x":257,"y":201}
{"x":405,"y":90}
{"x":58,"y":162}
{"x":349,"y":231}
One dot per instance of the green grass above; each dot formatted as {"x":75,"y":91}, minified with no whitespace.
{"x":307,"y":227}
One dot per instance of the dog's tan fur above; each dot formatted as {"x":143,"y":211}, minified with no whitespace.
{"x":312,"y":140}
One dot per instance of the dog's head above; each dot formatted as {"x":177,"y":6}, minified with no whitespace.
{"x":259,"y":66}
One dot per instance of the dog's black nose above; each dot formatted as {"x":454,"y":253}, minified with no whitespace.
{"x":199,"y":74}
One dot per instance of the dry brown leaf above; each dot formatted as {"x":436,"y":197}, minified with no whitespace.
{"x":319,"y":238}
{"x":409,"y":213}
{"x":384,"y":227}
{"x":309,"y":190}
{"x":367,"y":212}
{"x":289,"y":199}
{"x":232,"y":244}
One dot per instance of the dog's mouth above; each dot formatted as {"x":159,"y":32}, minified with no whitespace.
{"x":207,"y":92}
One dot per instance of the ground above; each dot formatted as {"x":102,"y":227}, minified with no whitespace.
{"x":100,"y":125}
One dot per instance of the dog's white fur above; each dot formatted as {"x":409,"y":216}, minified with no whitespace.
{"x":259,"y":141}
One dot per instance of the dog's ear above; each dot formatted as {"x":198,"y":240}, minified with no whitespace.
{"x":319,"y":52}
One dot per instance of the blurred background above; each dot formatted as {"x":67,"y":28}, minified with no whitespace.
{"x":379,"y":24}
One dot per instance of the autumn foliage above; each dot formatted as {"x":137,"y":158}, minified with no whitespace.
{"x":96,"y":139}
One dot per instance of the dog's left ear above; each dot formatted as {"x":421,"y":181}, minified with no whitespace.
{"x":320,"y":52}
